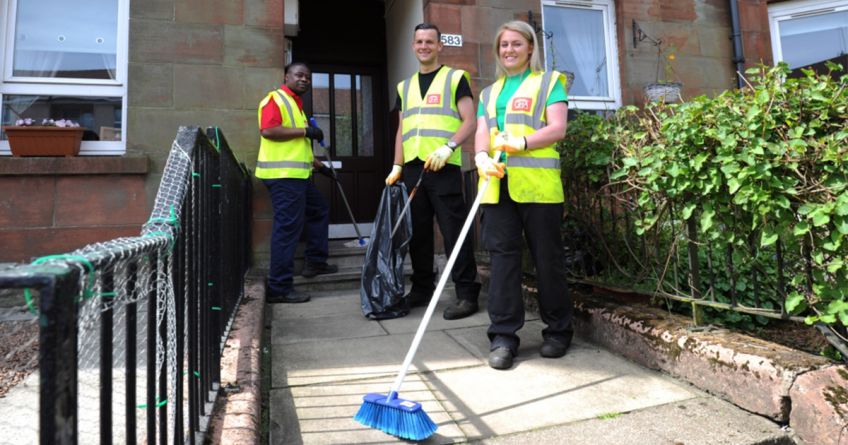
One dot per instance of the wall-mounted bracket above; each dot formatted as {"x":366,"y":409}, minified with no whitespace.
{"x":640,"y":35}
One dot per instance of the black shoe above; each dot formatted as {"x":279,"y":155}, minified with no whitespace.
{"x":460,"y":309}
{"x":415,"y":299}
{"x":552,"y":348}
{"x":501,"y":358}
{"x":310,"y":270}
{"x":292,"y":297}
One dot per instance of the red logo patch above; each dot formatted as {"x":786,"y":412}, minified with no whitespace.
{"x":521,"y":104}
{"x":434,"y":99}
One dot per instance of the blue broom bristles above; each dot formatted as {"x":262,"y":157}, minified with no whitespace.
{"x":398,"y":417}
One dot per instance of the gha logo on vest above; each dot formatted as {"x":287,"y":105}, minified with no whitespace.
{"x":434,"y":99}
{"x":521,"y":104}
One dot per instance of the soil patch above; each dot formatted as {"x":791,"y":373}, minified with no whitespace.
{"x":793,"y":335}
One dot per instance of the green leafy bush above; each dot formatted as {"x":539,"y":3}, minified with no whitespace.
{"x":757,"y":170}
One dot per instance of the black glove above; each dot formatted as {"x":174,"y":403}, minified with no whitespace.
{"x":314,"y":133}
{"x":328,"y":172}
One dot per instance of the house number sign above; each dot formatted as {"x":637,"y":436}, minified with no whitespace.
{"x":452,"y":39}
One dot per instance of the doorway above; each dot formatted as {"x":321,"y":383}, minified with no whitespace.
{"x":344,"y":44}
{"x":343,"y":102}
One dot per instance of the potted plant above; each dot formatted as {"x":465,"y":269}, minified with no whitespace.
{"x":666,"y":89}
{"x":49,"y":138}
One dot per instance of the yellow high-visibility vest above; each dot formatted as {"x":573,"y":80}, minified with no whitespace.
{"x":428,"y":122}
{"x":534,"y":175}
{"x":284,"y":159}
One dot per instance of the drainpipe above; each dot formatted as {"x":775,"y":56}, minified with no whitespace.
{"x":738,"y":53}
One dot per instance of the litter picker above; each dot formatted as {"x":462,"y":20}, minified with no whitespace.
{"x":405,"y":418}
{"x":406,"y":205}
{"x":361,"y":242}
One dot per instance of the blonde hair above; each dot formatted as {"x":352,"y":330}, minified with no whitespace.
{"x":526,"y":31}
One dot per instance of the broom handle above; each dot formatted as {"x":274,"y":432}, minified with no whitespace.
{"x":434,"y":300}
{"x":336,"y":180}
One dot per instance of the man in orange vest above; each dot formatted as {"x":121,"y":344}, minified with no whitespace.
{"x":285,"y":166}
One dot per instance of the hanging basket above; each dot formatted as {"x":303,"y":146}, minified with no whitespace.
{"x":569,"y":80}
{"x":664,"y":92}
{"x":44,"y":141}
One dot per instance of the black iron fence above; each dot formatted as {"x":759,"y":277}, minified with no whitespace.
{"x":131,"y":331}
{"x":608,"y":245}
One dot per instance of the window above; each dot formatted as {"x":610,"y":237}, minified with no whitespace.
{"x":66,"y":60}
{"x":342,"y":107}
{"x":580,"y":39}
{"x":805,"y":33}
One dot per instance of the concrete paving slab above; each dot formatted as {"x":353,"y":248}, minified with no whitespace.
{"x":323,"y":304}
{"x":409,"y":324}
{"x":323,"y":414}
{"x":326,"y":356}
{"x":306,"y":329}
{"x":339,"y":360}
{"x":437,"y":322}
{"x":475,"y":340}
{"x":537,"y":392}
{"x":699,"y":421}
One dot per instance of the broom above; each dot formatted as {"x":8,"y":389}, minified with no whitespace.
{"x":405,"y":418}
{"x":360,"y":241}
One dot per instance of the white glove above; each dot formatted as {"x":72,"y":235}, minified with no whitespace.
{"x":510,"y":144}
{"x":394,"y":175}
{"x":438,"y":158}
{"x":487,"y":166}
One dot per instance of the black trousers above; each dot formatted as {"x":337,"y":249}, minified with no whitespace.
{"x":439,"y":195}
{"x":502,"y":227}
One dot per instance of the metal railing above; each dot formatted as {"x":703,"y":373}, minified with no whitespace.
{"x":669,"y":261}
{"x":131,"y":330}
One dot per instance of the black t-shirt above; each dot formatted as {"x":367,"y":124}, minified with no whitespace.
{"x":424,"y":81}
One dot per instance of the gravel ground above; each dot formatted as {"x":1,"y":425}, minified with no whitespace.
{"x":18,"y":340}
{"x":18,"y":352}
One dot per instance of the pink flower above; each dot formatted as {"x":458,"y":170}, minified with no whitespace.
{"x":64,"y":123}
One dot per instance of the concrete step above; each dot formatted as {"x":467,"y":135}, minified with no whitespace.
{"x":348,"y":277}
{"x":349,"y":257}
{"x":343,"y":253}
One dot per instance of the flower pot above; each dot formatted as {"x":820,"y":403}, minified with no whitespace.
{"x":44,"y":141}
{"x":664,"y":92}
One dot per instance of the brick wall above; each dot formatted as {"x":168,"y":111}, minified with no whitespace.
{"x":204,"y":63}
{"x":756,"y":37}
{"x":55,"y":205}
{"x":699,"y":29}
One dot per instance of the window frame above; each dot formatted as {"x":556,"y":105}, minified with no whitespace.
{"x":795,"y":9}
{"x":607,"y":8}
{"x":11,"y":85}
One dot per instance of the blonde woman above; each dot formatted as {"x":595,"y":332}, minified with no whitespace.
{"x":523,"y":114}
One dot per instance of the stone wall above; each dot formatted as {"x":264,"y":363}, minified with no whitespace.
{"x":698,"y":29}
{"x":55,"y":205}
{"x":203,"y":63}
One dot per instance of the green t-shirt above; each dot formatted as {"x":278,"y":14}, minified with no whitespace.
{"x":510,"y":86}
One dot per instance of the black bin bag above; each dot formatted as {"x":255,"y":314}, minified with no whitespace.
{"x":382,"y":286}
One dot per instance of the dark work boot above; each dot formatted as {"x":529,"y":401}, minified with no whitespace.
{"x":311,"y":270}
{"x":552,"y":348}
{"x":292,"y":297}
{"x":460,"y":309}
{"x":415,"y":298}
{"x":500,"y":358}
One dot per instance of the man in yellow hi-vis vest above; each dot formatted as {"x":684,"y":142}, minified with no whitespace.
{"x":436,"y":117}
{"x":285,"y":166}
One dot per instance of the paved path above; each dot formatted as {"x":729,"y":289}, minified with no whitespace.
{"x":326,"y":356}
